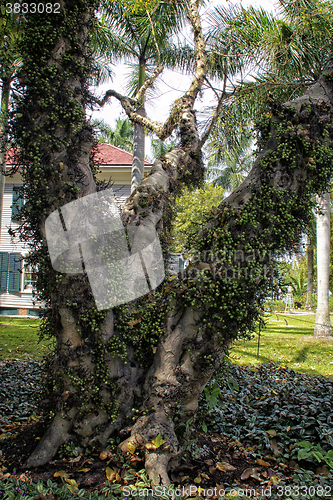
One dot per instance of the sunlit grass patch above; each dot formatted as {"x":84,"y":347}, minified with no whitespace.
{"x":19,"y":339}
{"x":288,"y":339}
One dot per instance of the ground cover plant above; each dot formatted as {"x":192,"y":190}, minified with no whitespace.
{"x":288,"y":339}
{"x":257,"y":427}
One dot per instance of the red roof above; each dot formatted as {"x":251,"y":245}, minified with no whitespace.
{"x":106,"y":155}
{"x":10,"y":157}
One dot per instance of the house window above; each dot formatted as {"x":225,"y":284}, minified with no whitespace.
{"x":30,"y":277}
{"x":17,"y":203}
{"x":10,"y":271}
{"x":3,"y":271}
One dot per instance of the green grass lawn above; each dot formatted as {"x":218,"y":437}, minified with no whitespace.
{"x":19,"y":339}
{"x":288,"y":339}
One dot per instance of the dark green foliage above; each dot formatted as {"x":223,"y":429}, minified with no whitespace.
{"x":16,"y":490}
{"x":272,"y":398}
{"x":20,"y":387}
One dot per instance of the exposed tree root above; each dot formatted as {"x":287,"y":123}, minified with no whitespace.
{"x":55,"y":436}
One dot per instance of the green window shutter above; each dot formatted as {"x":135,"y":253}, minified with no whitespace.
{"x":14,"y":274}
{"x":3,"y":271}
{"x":16,"y":202}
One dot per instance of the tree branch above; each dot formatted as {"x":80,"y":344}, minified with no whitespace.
{"x":148,"y":83}
{"x":131,"y":105}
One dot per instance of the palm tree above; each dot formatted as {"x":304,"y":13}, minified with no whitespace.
{"x":120,"y":136}
{"x":160,"y":148}
{"x":323,"y":322}
{"x":229,"y":164}
{"x":144,"y":39}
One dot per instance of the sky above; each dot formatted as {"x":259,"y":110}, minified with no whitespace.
{"x":170,"y":85}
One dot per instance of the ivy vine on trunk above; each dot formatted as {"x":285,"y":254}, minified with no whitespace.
{"x":134,"y":369}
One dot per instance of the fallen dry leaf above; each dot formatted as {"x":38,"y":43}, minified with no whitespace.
{"x":275,"y":446}
{"x":262,"y":462}
{"x":324,"y":470}
{"x":224,"y":466}
{"x":131,"y":448}
{"x":72,"y":482}
{"x":220,"y":490}
{"x":105,"y":454}
{"x":61,"y":473}
{"x":274,"y":480}
{"x":248,"y":473}
{"x":108,"y":472}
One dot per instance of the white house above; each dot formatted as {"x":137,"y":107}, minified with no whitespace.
{"x":16,"y":279}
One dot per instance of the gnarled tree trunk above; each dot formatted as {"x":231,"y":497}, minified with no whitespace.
{"x":151,"y":359}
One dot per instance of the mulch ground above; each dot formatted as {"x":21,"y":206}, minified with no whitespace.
{"x":220,"y":463}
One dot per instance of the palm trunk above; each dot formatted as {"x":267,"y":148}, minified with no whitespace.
{"x":3,"y":137}
{"x":138,"y":163}
{"x":323,"y":323}
{"x":309,"y":282}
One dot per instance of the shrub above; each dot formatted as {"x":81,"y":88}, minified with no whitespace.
{"x":274,"y":306}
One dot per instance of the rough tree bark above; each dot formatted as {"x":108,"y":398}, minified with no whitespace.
{"x":156,"y":355}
